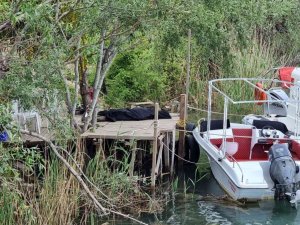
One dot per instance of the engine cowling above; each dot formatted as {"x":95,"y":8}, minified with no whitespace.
{"x":283,"y":168}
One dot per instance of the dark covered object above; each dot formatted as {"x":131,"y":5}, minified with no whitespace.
{"x":259,"y":124}
{"x":134,"y":114}
{"x":214,"y":125}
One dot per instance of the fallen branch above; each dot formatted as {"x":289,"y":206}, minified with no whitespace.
{"x":71,"y":169}
{"x":5,"y":25}
{"x":104,"y":210}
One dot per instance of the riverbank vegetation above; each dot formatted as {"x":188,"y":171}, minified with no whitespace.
{"x":54,"y":54}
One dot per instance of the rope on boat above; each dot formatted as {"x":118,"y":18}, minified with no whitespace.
{"x":181,"y":123}
{"x":183,"y":158}
{"x":213,"y":112}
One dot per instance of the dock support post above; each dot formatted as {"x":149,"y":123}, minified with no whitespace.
{"x":154,"y":151}
{"x":173,"y":152}
{"x":133,"y":156}
{"x":99,"y":148}
{"x":182,"y":118}
{"x":159,"y":158}
{"x":166,"y":144}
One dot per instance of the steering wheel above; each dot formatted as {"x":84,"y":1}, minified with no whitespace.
{"x":268,"y":131}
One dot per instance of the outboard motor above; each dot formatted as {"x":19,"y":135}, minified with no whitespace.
{"x":276,"y":108}
{"x":283,"y":170}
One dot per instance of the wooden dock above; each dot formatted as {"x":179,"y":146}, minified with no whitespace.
{"x":160,"y":133}
{"x":137,"y":130}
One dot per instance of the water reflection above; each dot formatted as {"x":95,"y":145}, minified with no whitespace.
{"x":190,"y":209}
{"x":193,"y":211}
{"x":208,"y":211}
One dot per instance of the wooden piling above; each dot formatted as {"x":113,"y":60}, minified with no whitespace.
{"x":133,"y":156}
{"x":182,"y":119}
{"x":166,"y":144}
{"x":173,"y":153}
{"x":159,"y":158}
{"x":154,"y":150}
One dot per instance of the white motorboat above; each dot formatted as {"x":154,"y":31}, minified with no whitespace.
{"x":259,"y":157}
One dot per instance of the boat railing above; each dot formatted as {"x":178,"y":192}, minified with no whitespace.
{"x":249,"y":81}
{"x":233,"y":162}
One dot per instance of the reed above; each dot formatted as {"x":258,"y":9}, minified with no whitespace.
{"x":123,"y":192}
{"x":252,"y":61}
{"x":14,"y":209}
{"x":25,"y":199}
{"x":56,"y":197}
{"x":57,"y":200}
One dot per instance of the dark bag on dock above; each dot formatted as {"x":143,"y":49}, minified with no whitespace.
{"x":134,"y":114}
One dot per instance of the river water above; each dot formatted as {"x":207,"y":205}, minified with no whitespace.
{"x":189,"y":208}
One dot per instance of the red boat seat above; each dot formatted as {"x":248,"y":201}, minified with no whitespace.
{"x":295,"y":148}
{"x":243,"y":138}
{"x":218,"y":141}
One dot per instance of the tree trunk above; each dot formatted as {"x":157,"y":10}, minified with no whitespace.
{"x":84,"y":86}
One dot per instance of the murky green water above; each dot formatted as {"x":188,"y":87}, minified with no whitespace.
{"x":189,"y":209}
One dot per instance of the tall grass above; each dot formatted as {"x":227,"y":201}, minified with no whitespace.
{"x":14,"y":209}
{"x":124,"y":192}
{"x":58,"y":197}
{"x":252,"y":61}
{"x":53,"y":199}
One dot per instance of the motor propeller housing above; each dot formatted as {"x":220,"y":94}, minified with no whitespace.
{"x":283,"y":170}
{"x":283,"y":167}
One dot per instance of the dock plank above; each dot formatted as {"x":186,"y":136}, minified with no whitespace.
{"x":138,"y":130}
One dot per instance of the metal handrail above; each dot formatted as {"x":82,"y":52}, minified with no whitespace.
{"x":227,"y":99}
{"x":234,"y":161}
{"x":247,"y":80}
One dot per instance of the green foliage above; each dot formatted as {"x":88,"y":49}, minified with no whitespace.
{"x":7,"y":171}
{"x":4,"y":9}
{"x":9,"y":156}
{"x":221,"y":27}
{"x":5,"y":117}
{"x":32,"y":83}
{"x":135,"y":77}
{"x":115,"y":181}
{"x":14,"y":209}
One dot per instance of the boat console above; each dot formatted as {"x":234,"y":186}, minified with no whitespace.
{"x":266,"y":133}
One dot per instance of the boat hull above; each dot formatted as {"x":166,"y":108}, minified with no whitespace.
{"x":235,"y":177}
{"x":235,"y":192}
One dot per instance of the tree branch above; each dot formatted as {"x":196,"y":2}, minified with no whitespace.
{"x":5,"y":25}
{"x":79,"y":179}
{"x":76,"y":80}
{"x":67,"y":12}
{"x":68,"y":100}
{"x":68,"y":95}
{"x":98,"y":88}
{"x":96,"y":83}
{"x":70,"y":168}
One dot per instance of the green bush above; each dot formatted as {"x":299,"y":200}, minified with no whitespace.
{"x":134,"y":77}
